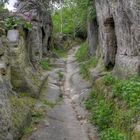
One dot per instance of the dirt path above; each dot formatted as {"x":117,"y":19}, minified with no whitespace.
{"x":67,"y":120}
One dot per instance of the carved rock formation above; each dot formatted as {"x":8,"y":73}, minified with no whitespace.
{"x":119,"y":33}
{"x":92,"y":29}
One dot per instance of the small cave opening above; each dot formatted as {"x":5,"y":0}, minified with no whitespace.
{"x":3,"y":72}
{"x":111,"y":43}
{"x":43,"y":33}
{"x":49,"y":43}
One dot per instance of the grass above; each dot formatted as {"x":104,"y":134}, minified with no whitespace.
{"x":45,"y":64}
{"x":48,"y":103}
{"x":86,"y":62}
{"x":37,"y":116}
{"x":102,"y":116}
{"x":114,"y":107}
{"x":85,"y":67}
{"x":60,"y":74}
{"x":62,"y":53}
{"x":82,"y":53}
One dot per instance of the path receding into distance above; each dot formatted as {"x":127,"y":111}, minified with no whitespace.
{"x":67,"y":120}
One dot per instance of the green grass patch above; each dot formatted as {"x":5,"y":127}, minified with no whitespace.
{"x":115,"y":107}
{"x":109,"y":80}
{"x":62,"y":53}
{"x":60,"y":74}
{"x":101,"y":115}
{"x":37,"y":116}
{"x":86,"y":62}
{"x":45,"y":64}
{"x":85,"y":67}
{"x":48,"y":103}
{"x":82,"y":53}
{"x":112,"y":134}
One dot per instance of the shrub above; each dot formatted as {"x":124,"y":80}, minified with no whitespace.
{"x":101,"y":114}
{"x":60,"y":52}
{"x":109,"y":80}
{"x":111,"y":134}
{"x":89,"y":103}
{"x":129,"y":91}
{"x":101,"y":111}
{"x":13,"y":22}
{"x":85,"y":67}
{"x":115,"y":116}
{"x":45,"y":64}
{"x":82,"y":53}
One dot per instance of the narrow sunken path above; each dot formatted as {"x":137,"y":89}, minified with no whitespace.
{"x":67,"y":120}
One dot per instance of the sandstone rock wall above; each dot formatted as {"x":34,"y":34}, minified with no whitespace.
{"x":17,"y":77}
{"x":119,"y":33}
{"x":92,"y":30}
{"x":39,"y":38}
{"x":21,"y":77}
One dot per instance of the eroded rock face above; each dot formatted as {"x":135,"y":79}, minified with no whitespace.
{"x":39,"y":38}
{"x":92,"y":36}
{"x":24,"y":78}
{"x":17,"y":77}
{"x":119,"y":29}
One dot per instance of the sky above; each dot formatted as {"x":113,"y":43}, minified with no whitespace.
{"x":10,"y":6}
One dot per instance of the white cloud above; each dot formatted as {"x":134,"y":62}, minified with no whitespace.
{"x":11,"y":4}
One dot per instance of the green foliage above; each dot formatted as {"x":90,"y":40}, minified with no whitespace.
{"x":85,"y":67}
{"x":91,"y":101}
{"x":101,"y":112}
{"x":37,"y":116}
{"x":128,"y":91}
{"x":3,"y":11}
{"x":109,"y":80}
{"x":72,"y":17}
{"x":27,"y":25}
{"x":68,"y":23}
{"x":112,"y":134}
{"x":102,"y":116}
{"x":2,"y":4}
{"x":86,"y":62}
{"x":82,"y":53}
{"x":60,"y":52}
{"x":13,"y":22}
{"x":114,"y":106}
{"x":60,"y":74}
{"x":20,"y":107}
{"x":45,"y":64}
{"x":48,"y":103}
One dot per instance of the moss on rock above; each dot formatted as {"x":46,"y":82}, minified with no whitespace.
{"x":21,"y":113}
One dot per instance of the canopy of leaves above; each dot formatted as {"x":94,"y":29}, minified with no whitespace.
{"x":72,"y":16}
{"x":3,"y":11}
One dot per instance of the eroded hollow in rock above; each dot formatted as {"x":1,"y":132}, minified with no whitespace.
{"x":3,"y":71}
{"x":111,"y":43}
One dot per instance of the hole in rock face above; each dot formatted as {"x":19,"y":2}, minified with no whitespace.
{"x":139,"y":70}
{"x":109,"y":22}
{"x":49,"y":43}
{"x":43,"y":34}
{"x":3,"y":71}
{"x":37,"y":53}
{"x":111,"y":43}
